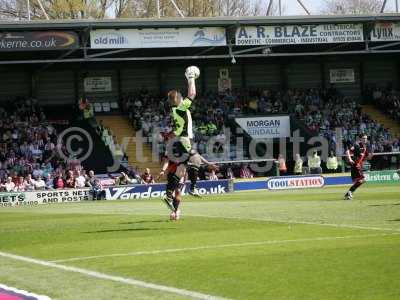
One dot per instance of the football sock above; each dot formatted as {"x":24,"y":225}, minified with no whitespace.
{"x":355,"y":186}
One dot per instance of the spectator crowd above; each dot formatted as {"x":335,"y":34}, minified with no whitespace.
{"x":32,"y":159}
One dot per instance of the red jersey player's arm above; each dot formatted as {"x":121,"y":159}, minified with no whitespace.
{"x":348,"y":156}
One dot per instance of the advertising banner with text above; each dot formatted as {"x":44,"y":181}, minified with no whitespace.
{"x":157,"y":38}
{"x":266,"y":127}
{"x":299,"y":34}
{"x":387,"y":31}
{"x":38,"y":40}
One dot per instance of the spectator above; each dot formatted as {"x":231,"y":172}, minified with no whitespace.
{"x":298,"y":165}
{"x":147,"y":178}
{"x":123,"y":179}
{"x":59,"y":182}
{"x":29,"y":183}
{"x":9,"y":186}
{"x":212,"y":175}
{"x":332,"y":163}
{"x":245,"y":172}
{"x":70,"y":181}
{"x":282,"y":165}
{"x":39,"y":183}
{"x":229,"y":173}
{"x":80,"y":180}
{"x":314,"y":163}
{"x":49,"y":182}
{"x":96,"y":188}
{"x":20,"y":185}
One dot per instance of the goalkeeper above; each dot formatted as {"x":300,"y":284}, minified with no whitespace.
{"x":183,"y":127}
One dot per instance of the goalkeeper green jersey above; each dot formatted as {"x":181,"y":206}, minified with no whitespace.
{"x":183,"y":119}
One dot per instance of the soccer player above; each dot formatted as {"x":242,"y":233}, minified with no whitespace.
{"x":356,"y":155}
{"x":176,"y":174}
{"x":183,"y":128}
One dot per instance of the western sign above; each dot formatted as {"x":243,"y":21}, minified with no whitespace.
{"x":299,"y":34}
{"x":298,"y":182}
{"x":266,"y":127}
{"x":38,"y":40}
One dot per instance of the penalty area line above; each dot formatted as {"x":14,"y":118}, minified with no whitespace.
{"x":211,"y":247}
{"x":98,"y":275}
{"x":298,"y":222}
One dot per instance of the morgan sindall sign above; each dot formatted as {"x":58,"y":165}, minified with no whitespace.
{"x":266,"y":127}
{"x":157,"y":38}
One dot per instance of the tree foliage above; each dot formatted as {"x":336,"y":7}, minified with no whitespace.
{"x":99,"y":9}
{"x":352,"y":6}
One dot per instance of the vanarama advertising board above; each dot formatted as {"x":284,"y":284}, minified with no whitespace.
{"x":266,"y":127}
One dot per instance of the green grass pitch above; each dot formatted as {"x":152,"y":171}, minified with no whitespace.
{"x":306,"y":244}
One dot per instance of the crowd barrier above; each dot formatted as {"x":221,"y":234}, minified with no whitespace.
{"x":133,"y":192}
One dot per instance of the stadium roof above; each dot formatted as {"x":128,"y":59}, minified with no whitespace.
{"x":191,"y":22}
{"x":84,"y":53}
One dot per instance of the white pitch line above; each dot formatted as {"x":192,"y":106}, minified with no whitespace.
{"x":268,"y":242}
{"x":298,"y":222}
{"x":25,"y":293}
{"x":129,"y":281}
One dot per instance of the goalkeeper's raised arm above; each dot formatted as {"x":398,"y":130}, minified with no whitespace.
{"x":192,"y":73}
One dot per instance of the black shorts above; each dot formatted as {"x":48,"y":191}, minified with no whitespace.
{"x":356,"y":173}
{"x":180,"y":153}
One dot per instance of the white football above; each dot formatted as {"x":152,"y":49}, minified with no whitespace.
{"x":193,"y":71}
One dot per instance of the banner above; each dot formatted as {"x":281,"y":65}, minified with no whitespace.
{"x":266,"y":127}
{"x":157,"y":38}
{"x":44,"y":197}
{"x":341,"y":75}
{"x":299,"y":34}
{"x":383,"y":177}
{"x":97,"y":84}
{"x":158,"y":190}
{"x":386,"y":32}
{"x":38,"y":40}
{"x":224,"y":84}
{"x":298,"y":182}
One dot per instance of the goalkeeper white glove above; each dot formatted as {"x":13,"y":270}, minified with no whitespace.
{"x":190,"y":75}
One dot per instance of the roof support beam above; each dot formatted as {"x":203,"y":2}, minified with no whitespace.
{"x":194,"y":57}
{"x":109,"y":53}
{"x":385,"y":46}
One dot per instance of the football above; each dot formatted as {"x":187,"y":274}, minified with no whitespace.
{"x":193,"y":72}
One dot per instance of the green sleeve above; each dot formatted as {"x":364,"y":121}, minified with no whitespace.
{"x":185,"y":104}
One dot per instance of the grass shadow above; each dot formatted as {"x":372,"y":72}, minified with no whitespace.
{"x":144,"y":221}
{"x":390,"y":204}
{"x":127,"y":229}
